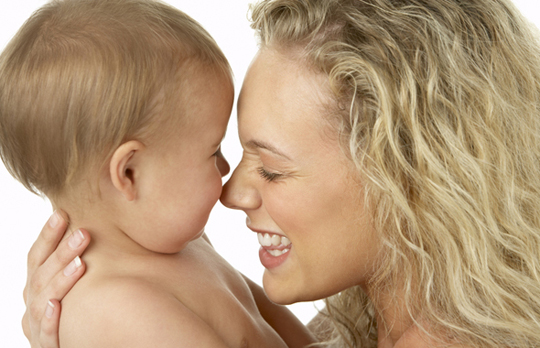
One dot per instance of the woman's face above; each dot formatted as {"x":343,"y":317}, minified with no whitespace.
{"x":297,"y":187}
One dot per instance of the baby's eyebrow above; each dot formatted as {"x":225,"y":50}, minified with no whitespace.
{"x":263,"y":145}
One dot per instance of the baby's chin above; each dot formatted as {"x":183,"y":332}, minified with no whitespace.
{"x":176,"y":248}
{"x":198,"y":235}
{"x":175,"y":245}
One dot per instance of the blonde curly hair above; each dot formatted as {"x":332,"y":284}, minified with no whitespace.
{"x":439,"y":103}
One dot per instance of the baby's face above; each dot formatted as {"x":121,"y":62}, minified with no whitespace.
{"x":186,"y":174}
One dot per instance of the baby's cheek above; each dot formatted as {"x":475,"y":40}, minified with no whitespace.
{"x":214,"y":187}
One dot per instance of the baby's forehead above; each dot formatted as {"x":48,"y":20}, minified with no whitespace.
{"x":195,"y":84}
{"x":197,"y":102}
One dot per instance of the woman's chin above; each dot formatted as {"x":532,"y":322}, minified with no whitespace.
{"x":285,"y":292}
{"x":278,"y":292}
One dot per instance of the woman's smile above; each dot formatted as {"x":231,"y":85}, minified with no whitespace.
{"x":274,"y":249}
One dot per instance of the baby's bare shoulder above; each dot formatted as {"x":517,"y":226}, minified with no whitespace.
{"x":130,"y":312}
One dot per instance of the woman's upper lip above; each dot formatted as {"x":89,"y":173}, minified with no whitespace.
{"x":264,"y":231}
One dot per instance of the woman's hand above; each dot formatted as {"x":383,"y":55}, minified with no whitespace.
{"x":53,"y":268}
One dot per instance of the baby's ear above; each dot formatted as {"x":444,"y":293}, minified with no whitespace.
{"x":124,"y":170}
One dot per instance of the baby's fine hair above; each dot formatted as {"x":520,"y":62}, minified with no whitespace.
{"x":80,"y":77}
{"x":438,"y":103}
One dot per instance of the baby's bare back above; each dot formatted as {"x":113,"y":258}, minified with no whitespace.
{"x":190,"y":299}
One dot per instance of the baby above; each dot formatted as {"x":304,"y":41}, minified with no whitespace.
{"x":115,"y":110}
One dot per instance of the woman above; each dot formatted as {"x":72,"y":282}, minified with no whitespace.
{"x":396,"y":145}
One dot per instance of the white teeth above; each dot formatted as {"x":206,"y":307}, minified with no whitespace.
{"x":267,"y":241}
{"x":276,"y":252}
{"x":275,"y":240}
{"x":285,"y":241}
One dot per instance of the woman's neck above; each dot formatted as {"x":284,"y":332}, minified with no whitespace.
{"x":393,"y":321}
{"x":396,"y":327}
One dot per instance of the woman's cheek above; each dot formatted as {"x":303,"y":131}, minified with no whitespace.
{"x":285,"y":206}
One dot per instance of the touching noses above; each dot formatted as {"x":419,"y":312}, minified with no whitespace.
{"x":222,"y":164}
{"x":240,"y":191}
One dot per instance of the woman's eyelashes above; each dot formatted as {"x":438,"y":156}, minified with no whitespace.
{"x":268,"y":176}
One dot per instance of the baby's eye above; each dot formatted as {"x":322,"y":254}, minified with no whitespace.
{"x":218,"y":152}
{"x":267,"y":175}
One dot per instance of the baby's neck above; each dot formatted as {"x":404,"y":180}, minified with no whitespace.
{"x":109,"y":240}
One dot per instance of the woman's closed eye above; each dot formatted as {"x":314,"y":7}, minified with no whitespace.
{"x":268,"y":176}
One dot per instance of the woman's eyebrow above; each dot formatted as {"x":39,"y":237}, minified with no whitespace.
{"x":263,"y":145}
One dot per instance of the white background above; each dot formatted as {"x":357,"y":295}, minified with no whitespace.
{"x":22,"y":214}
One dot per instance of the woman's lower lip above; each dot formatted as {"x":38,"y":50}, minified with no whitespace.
{"x":270,"y":261}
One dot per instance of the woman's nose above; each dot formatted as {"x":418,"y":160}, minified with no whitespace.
{"x":240,"y":191}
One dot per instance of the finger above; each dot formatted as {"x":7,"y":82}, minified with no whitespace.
{"x":58,"y":260}
{"x":48,"y":337}
{"x":48,"y":239}
{"x":57,"y":288}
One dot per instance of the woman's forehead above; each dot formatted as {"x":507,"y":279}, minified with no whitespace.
{"x":285,"y":105}
{"x":283,"y":84}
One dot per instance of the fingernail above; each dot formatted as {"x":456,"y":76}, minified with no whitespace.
{"x":50,"y":309}
{"x":76,"y":239}
{"x":54,"y":219}
{"x":72,"y":267}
